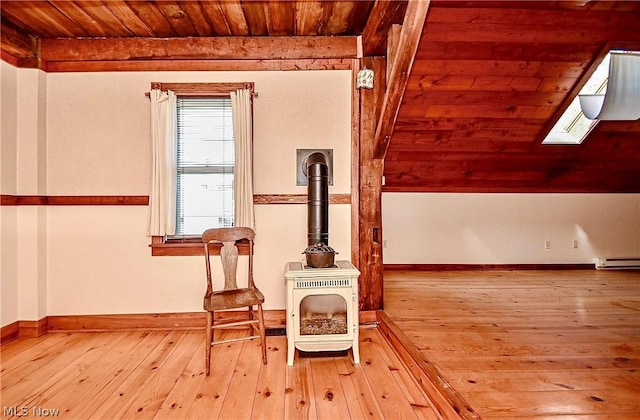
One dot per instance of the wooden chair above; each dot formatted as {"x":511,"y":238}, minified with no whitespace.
{"x":232,"y":297}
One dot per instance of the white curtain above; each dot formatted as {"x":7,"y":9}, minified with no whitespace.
{"x":243,"y":175}
{"x":162,"y":197}
{"x":622,"y":100}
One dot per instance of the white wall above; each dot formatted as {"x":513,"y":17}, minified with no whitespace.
{"x":439,"y":228}
{"x":98,"y":144}
{"x":8,"y":185}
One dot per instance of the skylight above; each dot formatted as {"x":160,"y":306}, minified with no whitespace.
{"x":573,"y":126}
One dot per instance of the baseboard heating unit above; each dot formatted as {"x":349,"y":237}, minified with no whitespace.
{"x":617,"y":263}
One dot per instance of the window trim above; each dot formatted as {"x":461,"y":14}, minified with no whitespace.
{"x":192,"y":244}
{"x":573,"y":93}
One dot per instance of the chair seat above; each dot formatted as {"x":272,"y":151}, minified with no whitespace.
{"x":230,"y":299}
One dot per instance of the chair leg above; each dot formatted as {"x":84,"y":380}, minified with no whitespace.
{"x":208,"y":343}
{"x":263,"y":336}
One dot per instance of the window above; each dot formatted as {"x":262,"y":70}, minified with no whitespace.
{"x":205,"y":164}
{"x":572,"y":126}
{"x":205,"y":170}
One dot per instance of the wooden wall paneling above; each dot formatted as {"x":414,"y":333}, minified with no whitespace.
{"x":370,"y":206}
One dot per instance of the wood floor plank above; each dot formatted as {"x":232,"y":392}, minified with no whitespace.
{"x":329,"y":396}
{"x":160,"y":374}
{"x":269,"y":400}
{"x":30,"y":376}
{"x":417,"y":398}
{"x":527,"y":344}
{"x":119,"y":402}
{"x":387,"y":393}
{"x":17,"y":352}
{"x":361,"y":400}
{"x":179,"y":400}
{"x":243,"y":386}
{"x":207,"y":402}
{"x":96,"y":383}
{"x":161,"y":381}
{"x":298,"y":396}
{"x":51,"y":384}
{"x":533,"y":381}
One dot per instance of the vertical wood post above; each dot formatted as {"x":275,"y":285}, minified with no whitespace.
{"x":369,"y":260}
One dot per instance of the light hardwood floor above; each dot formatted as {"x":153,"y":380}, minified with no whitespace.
{"x":160,"y":374}
{"x":527,"y":344}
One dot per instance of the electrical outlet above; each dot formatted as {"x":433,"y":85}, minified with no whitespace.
{"x":574,"y":244}
{"x":547,"y":244}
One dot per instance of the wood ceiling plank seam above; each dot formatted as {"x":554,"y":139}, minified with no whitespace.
{"x":496,"y":83}
{"x":255,"y":18}
{"x":337,"y":21}
{"x":195,"y":12}
{"x":359,"y":16}
{"x":280,"y":18}
{"x":80,"y":17}
{"x":497,"y":68}
{"x":480,"y":110}
{"x":177,"y":17}
{"x":530,"y":33}
{"x":462,"y":50}
{"x":39,"y":17}
{"x":149,"y":13}
{"x":463,"y":97}
{"x":309,"y":18}
{"x":214,"y":16}
{"x":450,"y":123}
{"x":596,"y":19}
{"x":235,"y":17}
{"x":128,"y":18}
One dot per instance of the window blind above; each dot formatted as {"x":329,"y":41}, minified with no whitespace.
{"x":205,"y":164}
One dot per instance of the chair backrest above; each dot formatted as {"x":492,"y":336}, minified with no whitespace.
{"x":228,"y":253}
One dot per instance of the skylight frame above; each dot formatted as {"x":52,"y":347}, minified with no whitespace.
{"x":572,"y":127}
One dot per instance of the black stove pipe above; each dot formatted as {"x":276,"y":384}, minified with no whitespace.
{"x":318,"y":196}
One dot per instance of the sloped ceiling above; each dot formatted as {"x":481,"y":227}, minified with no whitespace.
{"x":488,"y":80}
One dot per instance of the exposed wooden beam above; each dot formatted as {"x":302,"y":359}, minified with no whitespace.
{"x":204,"y":48}
{"x":369,"y":260}
{"x":393,"y":41}
{"x":383,"y":15}
{"x":198,"y":65}
{"x":415,"y":16}
{"x":18,"y":48}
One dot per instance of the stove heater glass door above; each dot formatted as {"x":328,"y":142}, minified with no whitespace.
{"x":324,"y":314}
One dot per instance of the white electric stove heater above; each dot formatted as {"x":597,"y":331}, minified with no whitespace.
{"x":322,"y":308}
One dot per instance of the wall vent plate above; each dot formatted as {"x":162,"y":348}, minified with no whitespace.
{"x":301,"y":159}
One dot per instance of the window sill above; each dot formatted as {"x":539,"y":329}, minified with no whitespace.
{"x":161,"y":247}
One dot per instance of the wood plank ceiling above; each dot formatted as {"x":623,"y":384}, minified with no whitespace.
{"x":488,"y":80}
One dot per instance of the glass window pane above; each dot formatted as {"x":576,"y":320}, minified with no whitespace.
{"x":206,"y":202}
{"x":206,"y":158}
